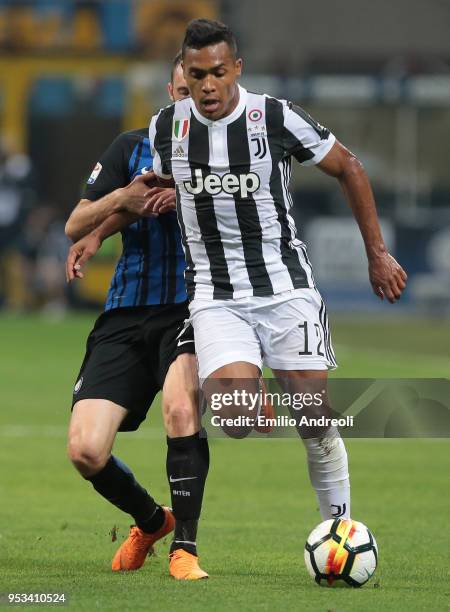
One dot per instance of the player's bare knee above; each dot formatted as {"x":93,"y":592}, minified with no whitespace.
{"x":86,"y":457}
{"x":88,"y":463}
{"x":180,"y":416}
{"x":179,"y":411}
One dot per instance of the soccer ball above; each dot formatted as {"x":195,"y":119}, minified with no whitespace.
{"x":341,"y":552}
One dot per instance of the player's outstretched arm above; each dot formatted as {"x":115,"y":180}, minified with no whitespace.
{"x":85,"y":248}
{"x":386,"y":275}
{"x":88,"y":215}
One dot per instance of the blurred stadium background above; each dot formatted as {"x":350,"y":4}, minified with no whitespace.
{"x":74,"y":73}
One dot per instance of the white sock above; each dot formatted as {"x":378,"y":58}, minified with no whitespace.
{"x":328,"y":472}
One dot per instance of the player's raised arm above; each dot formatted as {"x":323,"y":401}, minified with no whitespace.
{"x":88,"y":215}
{"x":312,"y":144}
{"x":160,"y":200}
{"x":386,"y":275}
{"x":87,"y":246}
{"x":109,"y":190}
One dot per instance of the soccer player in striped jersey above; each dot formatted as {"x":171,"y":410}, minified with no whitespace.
{"x":142,"y":343}
{"x":253,"y":298}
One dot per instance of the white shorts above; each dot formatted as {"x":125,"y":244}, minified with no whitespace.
{"x":287,"y":331}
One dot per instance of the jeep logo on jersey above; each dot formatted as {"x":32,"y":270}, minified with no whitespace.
{"x":180,"y":128}
{"x":228,"y":183}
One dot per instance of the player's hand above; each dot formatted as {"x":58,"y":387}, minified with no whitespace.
{"x":160,"y":200}
{"x":79,"y":254}
{"x":132,"y":198}
{"x":149,"y":178}
{"x":153,"y":180}
{"x":387,"y":277}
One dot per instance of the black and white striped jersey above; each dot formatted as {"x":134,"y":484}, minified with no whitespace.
{"x":232,"y":177}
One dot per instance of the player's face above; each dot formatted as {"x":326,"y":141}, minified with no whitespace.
{"x":211,"y":75}
{"x":178,"y":88}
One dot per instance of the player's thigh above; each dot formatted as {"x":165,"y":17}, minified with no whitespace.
{"x":301,"y":383}
{"x":116,"y":366}
{"x":233,"y":394}
{"x":237,"y":369}
{"x":93,"y":427}
{"x":300,"y":375}
{"x":225,"y":342}
{"x":295,"y":334}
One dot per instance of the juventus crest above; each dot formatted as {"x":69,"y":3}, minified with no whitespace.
{"x":258,"y":138}
{"x":260,"y":143}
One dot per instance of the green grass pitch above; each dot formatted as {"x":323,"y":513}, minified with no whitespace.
{"x":55,"y":532}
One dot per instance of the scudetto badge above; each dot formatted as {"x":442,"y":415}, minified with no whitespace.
{"x":180,"y":128}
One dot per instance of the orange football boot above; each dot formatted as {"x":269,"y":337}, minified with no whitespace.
{"x":132,"y":553}
{"x":184,"y":566}
{"x":267,"y":411}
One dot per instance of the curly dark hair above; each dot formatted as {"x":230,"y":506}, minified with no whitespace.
{"x":205,"y":32}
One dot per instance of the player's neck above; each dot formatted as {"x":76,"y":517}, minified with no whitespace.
{"x":234,"y":101}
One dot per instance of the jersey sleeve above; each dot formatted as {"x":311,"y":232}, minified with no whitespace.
{"x":303,"y":137}
{"x":161,"y":145}
{"x":110,"y":172}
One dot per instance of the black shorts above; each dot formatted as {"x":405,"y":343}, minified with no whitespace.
{"x":128,"y":353}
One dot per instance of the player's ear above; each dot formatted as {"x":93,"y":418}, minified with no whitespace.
{"x":238,"y":67}
{"x":170,"y":91}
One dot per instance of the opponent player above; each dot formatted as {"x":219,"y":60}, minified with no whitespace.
{"x":141,"y":343}
{"x":253,"y":296}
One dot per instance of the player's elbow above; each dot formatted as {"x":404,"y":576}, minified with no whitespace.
{"x":342,"y":164}
{"x":351,"y":166}
{"x":74,"y":230}
{"x":77,"y":224}
{"x":70,"y":230}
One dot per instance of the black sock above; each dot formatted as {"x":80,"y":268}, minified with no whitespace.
{"x":187,"y":467}
{"x":116,"y":483}
{"x":185,"y":536}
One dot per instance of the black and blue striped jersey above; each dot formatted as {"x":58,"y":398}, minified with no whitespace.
{"x":151,"y":268}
